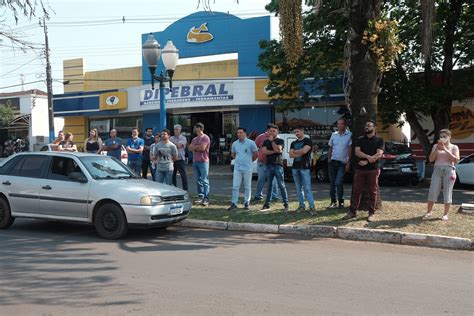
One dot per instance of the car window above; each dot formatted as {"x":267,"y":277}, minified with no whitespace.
{"x":397,"y":149}
{"x":61,"y":167}
{"x":6,"y":167}
{"x":105,"y":167}
{"x":32,"y":166}
{"x":469,"y":159}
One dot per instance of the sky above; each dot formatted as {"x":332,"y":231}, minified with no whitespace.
{"x":94,"y":30}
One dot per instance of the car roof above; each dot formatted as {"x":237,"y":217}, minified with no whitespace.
{"x":57,"y":153}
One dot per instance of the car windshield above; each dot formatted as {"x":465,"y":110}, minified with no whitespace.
{"x":104,"y":167}
{"x":397,"y":149}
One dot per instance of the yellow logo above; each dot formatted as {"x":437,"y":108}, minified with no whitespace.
{"x":199,"y":35}
{"x":113,"y":101}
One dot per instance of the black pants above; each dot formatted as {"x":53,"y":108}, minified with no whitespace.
{"x":180,"y":165}
{"x":145,"y":166}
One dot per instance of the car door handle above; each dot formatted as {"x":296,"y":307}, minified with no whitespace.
{"x":6,"y":183}
{"x":46,"y":187}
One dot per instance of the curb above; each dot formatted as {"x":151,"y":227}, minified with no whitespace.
{"x":346,"y":233}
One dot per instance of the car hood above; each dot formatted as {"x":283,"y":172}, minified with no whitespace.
{"x":129,"y":191}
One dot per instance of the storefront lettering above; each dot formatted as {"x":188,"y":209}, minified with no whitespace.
{"x":189,"y":93}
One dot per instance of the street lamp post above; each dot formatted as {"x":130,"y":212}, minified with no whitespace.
{"x":151,"y":53}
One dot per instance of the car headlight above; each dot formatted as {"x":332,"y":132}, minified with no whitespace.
{"x":150,"y":200}
{"x":186,"y":196}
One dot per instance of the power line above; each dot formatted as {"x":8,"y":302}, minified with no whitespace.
{"x":22,"y":65}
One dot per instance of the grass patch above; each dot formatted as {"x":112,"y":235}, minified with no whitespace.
{"x":400,"y":216}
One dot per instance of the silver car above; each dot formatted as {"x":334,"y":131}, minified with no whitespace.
{"x":86,"y":188}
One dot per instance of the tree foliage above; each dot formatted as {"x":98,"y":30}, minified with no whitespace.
{"x":18,"y":9}
{"x":421,"y":83}
{"x":7,"y":115}
{"x":425,"y":86}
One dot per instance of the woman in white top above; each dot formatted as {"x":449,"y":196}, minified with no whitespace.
{"x":445,"y":155}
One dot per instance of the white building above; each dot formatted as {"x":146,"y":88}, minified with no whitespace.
{"x":31,"y":121}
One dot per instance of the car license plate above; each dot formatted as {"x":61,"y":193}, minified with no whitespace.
{"x":406,"y":170}
{"x":176,"y":210}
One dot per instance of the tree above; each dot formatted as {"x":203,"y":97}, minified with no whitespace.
{"x":7,"y":115}
{"x":424,"y":82}
{"x":18,"y":8}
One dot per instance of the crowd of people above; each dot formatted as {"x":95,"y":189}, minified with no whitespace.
{"x":164,"y":155}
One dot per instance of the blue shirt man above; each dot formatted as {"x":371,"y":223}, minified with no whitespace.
{"x":135,"y":147}
{"x":244,"y":151}
{"x":114,"y":145}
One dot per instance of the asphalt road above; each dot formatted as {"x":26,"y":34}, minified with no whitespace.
{"x":63,"y":269}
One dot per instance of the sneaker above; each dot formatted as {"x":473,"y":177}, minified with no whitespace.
{"x":444,"y":218}
{"x":349,"y":215}
{"x":265,"y":208}
{"x":246,"y":206}
{"x":371,"y":218}
{"x":333,"y":205}
{"x":205,"y":202}
{"x":427,"y":215}
{"x":341,"y":205}
{"x":301,"y":208}
{"x":198,"y":202}
{"x":312,"y":211}
{"x":286,"y":208}
{"x":232,"y":207}
{"x":257,"y":198}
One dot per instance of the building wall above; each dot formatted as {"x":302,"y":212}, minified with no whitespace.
{"x":210,"y":70}
{"x":39,"y":122}
{"x":77,"y":126}
{"x":255,"y":118}
{"x":73,"y":70}
{"x":112,"y":79}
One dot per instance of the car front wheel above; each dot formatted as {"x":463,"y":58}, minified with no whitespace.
{"x":110,"y":222}
{"x":6,"y":219}
{"x":322,"y":175}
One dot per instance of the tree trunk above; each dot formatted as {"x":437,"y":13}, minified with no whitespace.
{"x":419,"y":132}
{"x":363,"y":66}
{"x":442,"y":117}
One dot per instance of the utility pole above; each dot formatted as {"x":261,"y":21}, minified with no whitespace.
{"x":49,"y":82}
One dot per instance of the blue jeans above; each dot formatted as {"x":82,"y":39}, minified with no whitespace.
{"x":135,"y":165}
{"x":164,"y":177}
{"x":336,"y":176}
{"x":262,"y":178}
{"x":201,"y":172}
{"x":246,"y":178}
{"x":275,"y":172}
{"x":302,"y":178}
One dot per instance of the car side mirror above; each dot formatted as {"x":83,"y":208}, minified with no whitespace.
{"x":77,"y":177}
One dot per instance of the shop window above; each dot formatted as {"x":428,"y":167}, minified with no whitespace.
{"x":124,"y":125}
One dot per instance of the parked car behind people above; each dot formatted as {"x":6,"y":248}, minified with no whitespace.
{"x":397,"y":164}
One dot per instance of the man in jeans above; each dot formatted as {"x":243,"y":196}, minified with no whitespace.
{"x":180,"y":165}
{"x":200,"y":148}
{"x":165,"y":152}
{"x":300,"y":151}
{"x":148,"y":141}
{"x":273,"y":148}
{"x":368,"y":149}
{"x":244,"y":151}
{"x":134,"y":149}
{"x":261,"y":167}
{"x":339,"y":156}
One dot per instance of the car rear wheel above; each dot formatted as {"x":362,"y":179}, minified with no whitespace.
{"x":6,"y":219}
{"x":322,"y":175}
{"x":110,"y":222}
